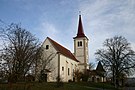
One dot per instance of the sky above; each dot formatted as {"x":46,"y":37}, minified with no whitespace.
{"x":58,"y":19}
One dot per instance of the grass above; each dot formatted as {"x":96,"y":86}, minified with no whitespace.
{"x":97,"y":85}
{"x":53,"y":86}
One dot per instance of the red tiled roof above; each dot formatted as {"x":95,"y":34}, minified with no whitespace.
{"x":62,"y":50}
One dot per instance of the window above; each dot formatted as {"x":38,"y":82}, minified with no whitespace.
{"x":79,"y":43}
{"x":68,"y":71}
{"x":47,"y":46}
{"x":62,"y":68}
{"x":73,"y":72}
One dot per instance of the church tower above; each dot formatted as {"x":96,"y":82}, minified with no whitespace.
{"x":81,"y":47}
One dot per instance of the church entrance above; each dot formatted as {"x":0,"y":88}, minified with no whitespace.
{"x":44,"y":77}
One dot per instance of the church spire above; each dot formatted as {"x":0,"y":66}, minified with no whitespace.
{"x":81,"y":47}
{"x":80,"y":32}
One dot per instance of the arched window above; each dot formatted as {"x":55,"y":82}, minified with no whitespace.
{"x":62,"y":68}
{"x":79,"y":43}
{"x":68,"y":72}
{"x":47,"y":46}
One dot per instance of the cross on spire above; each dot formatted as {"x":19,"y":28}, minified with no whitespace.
{"x":79,"y":12}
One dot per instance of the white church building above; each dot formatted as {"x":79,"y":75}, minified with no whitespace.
{"x":65,"y":63}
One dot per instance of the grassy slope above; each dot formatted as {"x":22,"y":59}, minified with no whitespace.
{"x":53,"y":86}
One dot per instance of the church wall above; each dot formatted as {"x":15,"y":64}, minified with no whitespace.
{"x":81,"y":53}
{"x":67,"y":68}
{"x":96,"y":78}
{"x":54,"y":70}
{"x":53,"y":66}
{"x":87,"y":51}
{"x":51,"y":47}
{"x":81,"y":67}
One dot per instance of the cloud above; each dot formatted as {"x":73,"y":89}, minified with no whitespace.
{"x":107,"y":18}
{"x":46,"y":29}
{"x":1,"y":44}
{"x":49,"y":30}
{"x":133,"y":46}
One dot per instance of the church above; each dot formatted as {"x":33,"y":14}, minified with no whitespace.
{"x":64,"y":63}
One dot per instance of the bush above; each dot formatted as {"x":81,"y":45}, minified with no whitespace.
{"x":29,"y":78}
{"x":3,"y":80}
{"x":130,"y":84}
{"x":59,"y":82}
{"x":13,"y":78}
{"x":85,"y":77}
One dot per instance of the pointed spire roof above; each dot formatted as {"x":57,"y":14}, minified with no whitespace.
{"x":100,"y":67}
{"x":80,"y":32}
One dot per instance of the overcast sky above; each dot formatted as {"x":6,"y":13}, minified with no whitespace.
{"x":58,"y":19}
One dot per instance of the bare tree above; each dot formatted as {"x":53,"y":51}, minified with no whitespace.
{"x":91,"y":66}
{"x":19,"y":51}
{"x":45,"y":64}
{"x":46,"y":58}
{"x":78,"y":75}
{"x":117,"y":57}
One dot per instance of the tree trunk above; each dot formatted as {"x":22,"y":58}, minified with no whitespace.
{"x":116,"y":81}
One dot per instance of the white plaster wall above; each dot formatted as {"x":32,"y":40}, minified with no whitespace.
{"x":81,"y":68}
{"x":53,"y":66}
{"x":87,"y":51}
{"x":81,"y":53}
{"x":54,"y":69}
{"x":101,"y":79}
{"x":80,"y":49}
{"x":51,"y":47}
{"x":67,"y":63}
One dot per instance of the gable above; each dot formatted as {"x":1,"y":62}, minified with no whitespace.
{"x":51,"y":48}
{"x":59,"y":48}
